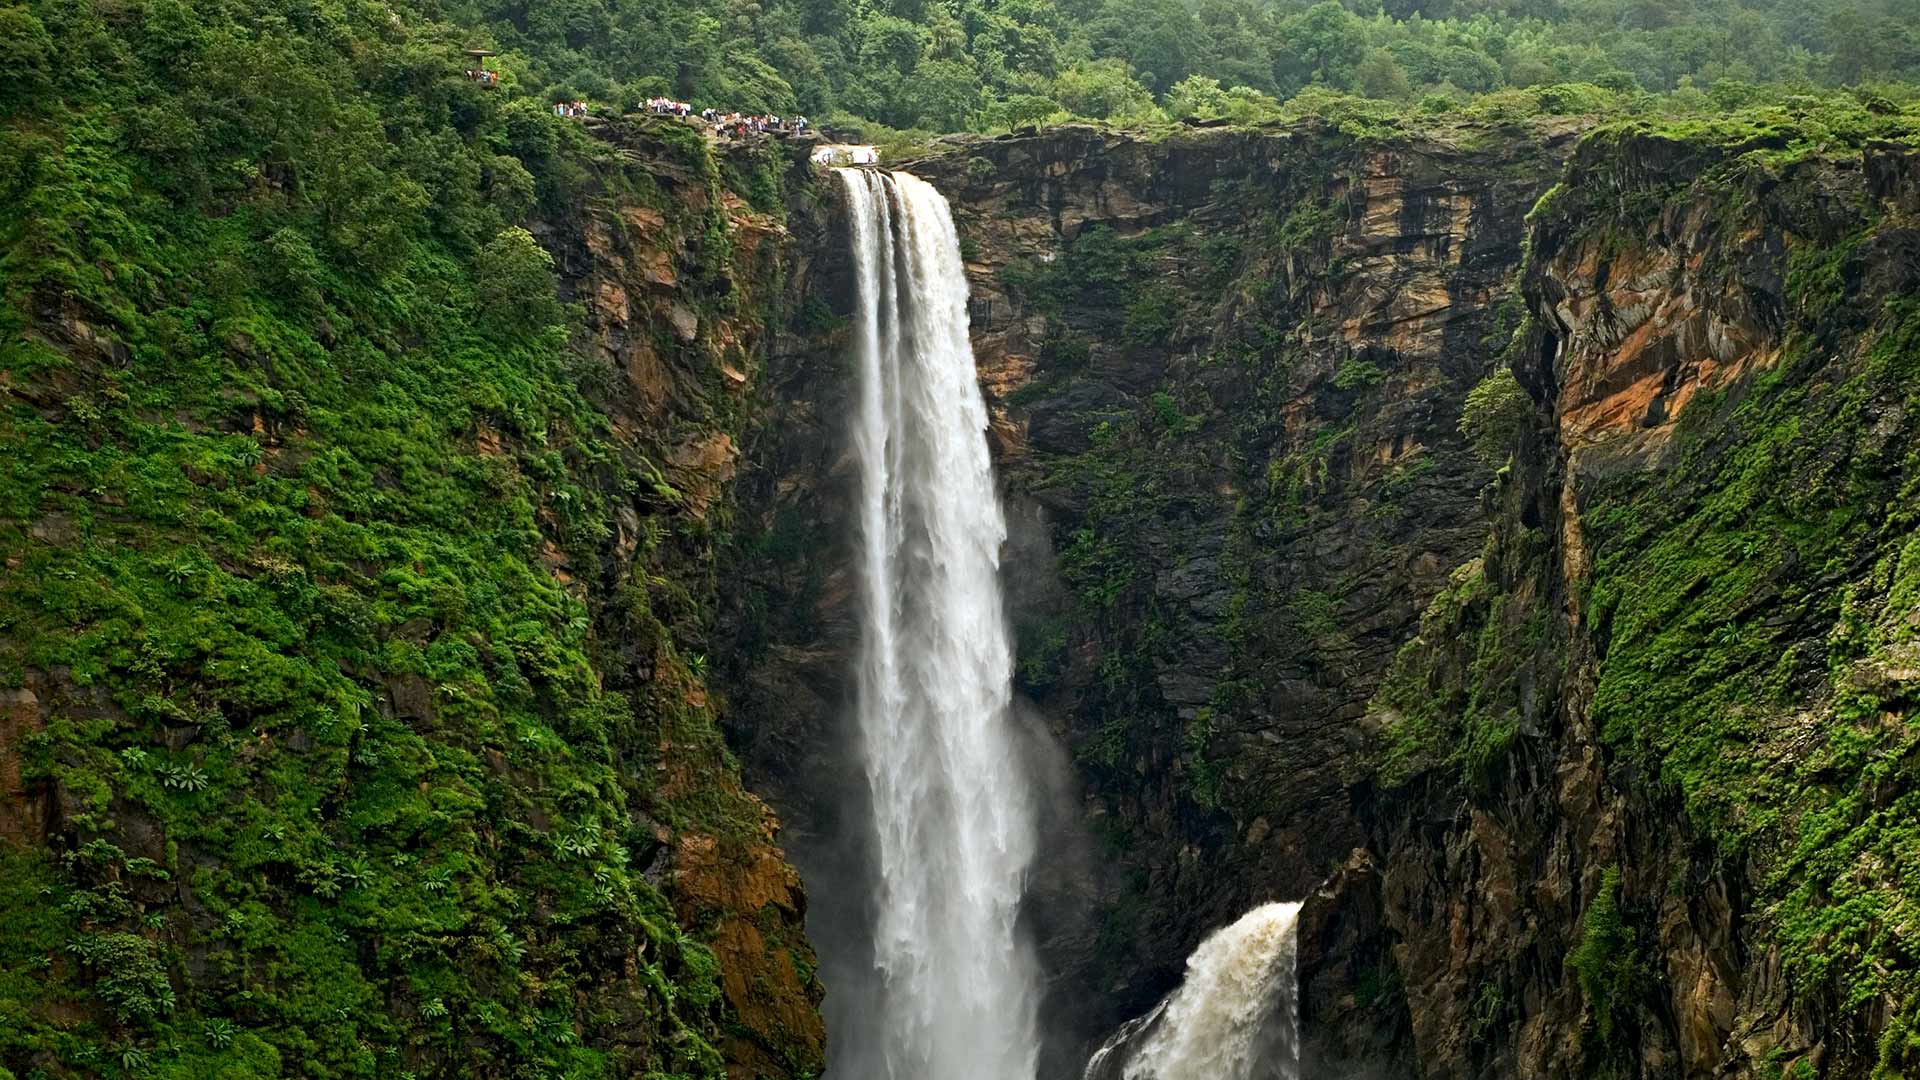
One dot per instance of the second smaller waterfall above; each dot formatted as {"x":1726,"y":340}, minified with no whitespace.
{"x":1236,"y":1016}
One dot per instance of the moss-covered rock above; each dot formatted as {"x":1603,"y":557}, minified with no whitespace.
{"x":1706,"y":517}
{"x":358,"y":502}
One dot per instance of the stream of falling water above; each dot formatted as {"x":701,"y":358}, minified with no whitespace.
{"x":952,"y":812}
{"x":1236,"y":1016}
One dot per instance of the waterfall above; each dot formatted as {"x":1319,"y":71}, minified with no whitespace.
{"x":952,"y":815}
{"x":1236,"y":1016}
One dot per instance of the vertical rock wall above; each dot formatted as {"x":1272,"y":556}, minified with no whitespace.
{"x":1685,"y":641}
{"x":1225,"y":372}
{"x":1585,"y":738}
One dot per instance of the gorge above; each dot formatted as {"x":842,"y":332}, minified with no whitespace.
{"x":1495,"y":534}
{"x":1367,"y":687}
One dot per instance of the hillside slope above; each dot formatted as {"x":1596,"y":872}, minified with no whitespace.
{"x":365,"y":438}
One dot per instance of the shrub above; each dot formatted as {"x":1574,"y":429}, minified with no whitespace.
{"x":1493,"y":414}
{"x":515,"y":283}
{"x":128,"y":973}
{"x":1152,"y":314}
{"x":1356,"y":374}
{"x":1604,"y":962}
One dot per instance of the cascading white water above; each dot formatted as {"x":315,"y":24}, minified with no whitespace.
{"x":1236,"y":1016}
{"x":952,"y":812}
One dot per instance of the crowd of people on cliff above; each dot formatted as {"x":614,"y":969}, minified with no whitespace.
{"x":738,"y":125}
{"x":741,"y":124}
{"x":730,"y":123}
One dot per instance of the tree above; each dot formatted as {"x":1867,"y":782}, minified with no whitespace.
{"x":1019,"y":110}
{"x":1323,"y":44}
{"x":746,"y":82}
{"x":1104,"y":90}
{"x":509,"y":186}
{"x":1493,"y":414}
{"x":946,"y":38}
{"x":1197,"y":96}
{"x":515,"y":284}
{"x":1379,"y":76}
{"x":1158,"y":38}
{"x":941,"y":96}
{"x":293,"y":268}
{"x":892,"y":42}
{"x":799,"y":63}
{"x":1008,"y":50}
{"x":1246,"y":105}
{"x":26,"y":56}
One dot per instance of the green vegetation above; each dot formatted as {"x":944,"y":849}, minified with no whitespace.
{"x":1116,"y":288}
{"x":1712,"y":690}
{"x":364,"y":747}
{"x":1202,"y":310}
{"x":907,"y":64}
{"x":1750,"y":599}
{"x":1606,"y":962}
{"x":354,"y":778}
{"x":1470,"y":716}
{"x":1494,"y":412}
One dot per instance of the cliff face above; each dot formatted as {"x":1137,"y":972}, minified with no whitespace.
{"x":682,"y":278}
{"x":353,"y":714}
{"x":1681,"y":669}
{"x":1499,"y":537}
{"x":1228,"y":370}
{"x":1225,"y":372}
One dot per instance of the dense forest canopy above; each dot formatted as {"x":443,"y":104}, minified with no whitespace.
{"x":977,"y":63}
{"x":967,"y":64}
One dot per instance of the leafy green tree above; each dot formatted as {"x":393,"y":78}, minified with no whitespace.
{"x":1247,"y":105}
{"x":294,"y":268}
{"x":515,"y":282}
{"x":1197,"y":96}
{"x":946,"y":38}
{"x":799,"y":64}
{"x":751,"y":84}
{"x":1323,"y":45}
{"x":1019,"y":110}
{"x":1494,"y":413}
{"x":892,"y":42}
{"x":1009,"y":50}
{"x":1104,"y":90}
{"x":1378,"y":75}
{"x":941,"y":95}
{"x":26,"y":57}
{"x":510,"y":187}
{"x":1158,"y":39}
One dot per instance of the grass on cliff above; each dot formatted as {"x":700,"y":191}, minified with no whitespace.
{"x":291,"y":444}
{"x":1758,"y":607}
{"x":1753,"y":598}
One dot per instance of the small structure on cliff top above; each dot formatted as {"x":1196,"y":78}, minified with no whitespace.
{"x":479,"y":72}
